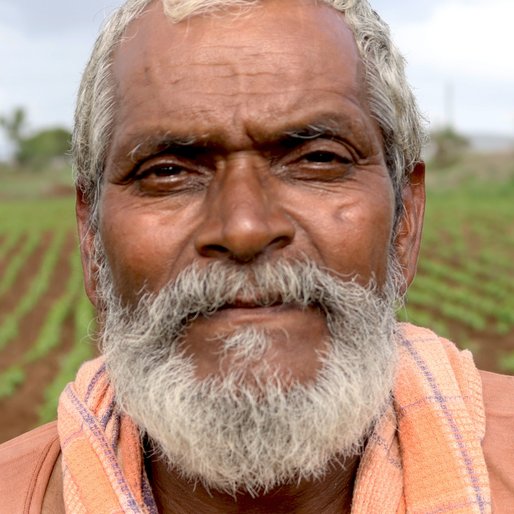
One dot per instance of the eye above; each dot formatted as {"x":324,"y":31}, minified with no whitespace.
{"x":163,"y":171}
{"x":169,"y":178}
{"x":326,"y":157}
{"x":319,"y":161}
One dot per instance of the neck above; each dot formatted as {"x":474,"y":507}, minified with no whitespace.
{"x":330,"y":494}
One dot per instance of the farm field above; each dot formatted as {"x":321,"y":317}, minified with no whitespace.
{"x":45,"y":316}
{"x":464,"y":290}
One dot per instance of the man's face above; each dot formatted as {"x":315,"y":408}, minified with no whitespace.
{"x":246,"y":190}
{"x":245,"y":139}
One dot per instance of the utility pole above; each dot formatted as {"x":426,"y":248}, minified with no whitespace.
{"x":449,"y":105}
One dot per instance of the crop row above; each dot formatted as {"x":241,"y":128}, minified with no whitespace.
{"x":489,"y":260}
{"x":16,"y":265}
{"x":10,"y":325}
{"x":467,"y":277}
{"x":10,"y":241}
{"x":80,"y":352}
{"x":49,"y":336}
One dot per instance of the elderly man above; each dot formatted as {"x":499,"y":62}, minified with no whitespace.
{"x":250,"y":201}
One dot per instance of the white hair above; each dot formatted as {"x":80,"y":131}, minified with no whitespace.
{"x":391,"y":100}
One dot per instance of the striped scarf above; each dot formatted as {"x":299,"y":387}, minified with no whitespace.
{"x":424,"y":456}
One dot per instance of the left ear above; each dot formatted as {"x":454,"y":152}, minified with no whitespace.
{"x":410,"y":226}
{"x":86,"y":237}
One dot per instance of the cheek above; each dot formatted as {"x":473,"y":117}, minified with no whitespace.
{"x":142,"y":249}
{"x":353,"y":238}
{"x":134,"y":259}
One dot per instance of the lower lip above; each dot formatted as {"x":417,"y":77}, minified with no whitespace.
{"x":234,"y":311}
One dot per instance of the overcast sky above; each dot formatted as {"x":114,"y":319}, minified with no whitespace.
{"x":463,"y":49}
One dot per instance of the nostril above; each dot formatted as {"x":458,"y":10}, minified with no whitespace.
{"x":244,"y":246}
{"x":213,"y":250}
{"x":281,"y":242}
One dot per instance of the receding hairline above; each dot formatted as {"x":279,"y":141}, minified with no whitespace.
{"x":219,"y":10}
{"x":336,"y":121}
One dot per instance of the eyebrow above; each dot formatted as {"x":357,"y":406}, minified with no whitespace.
{"x":159,"y":143}
{"x":329,"y":127}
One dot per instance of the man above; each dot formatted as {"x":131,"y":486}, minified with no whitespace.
{"x":250,"y":200}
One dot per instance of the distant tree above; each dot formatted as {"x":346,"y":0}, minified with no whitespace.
{"x":449,"y":146}
{"x":14,"y":126}
{"x":44,"y":147}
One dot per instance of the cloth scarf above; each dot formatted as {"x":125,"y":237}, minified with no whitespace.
{"x":424,"y":456}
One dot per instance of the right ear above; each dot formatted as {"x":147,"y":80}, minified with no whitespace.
{"x":87,"y":249}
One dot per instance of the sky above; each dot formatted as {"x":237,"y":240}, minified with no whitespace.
{"x":459,"y":55}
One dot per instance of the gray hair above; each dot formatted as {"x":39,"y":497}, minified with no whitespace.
{"x":391,"y":100}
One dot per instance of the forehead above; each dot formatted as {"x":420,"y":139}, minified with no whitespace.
{"x":280,"y":61}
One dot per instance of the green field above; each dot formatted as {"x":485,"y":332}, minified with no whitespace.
{"x":464,"y":289}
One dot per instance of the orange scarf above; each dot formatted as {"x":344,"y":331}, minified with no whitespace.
{"x":424,"y":456}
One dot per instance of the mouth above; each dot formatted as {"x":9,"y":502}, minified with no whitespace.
{"x":242,"y":303}
{"x":246,"y":309}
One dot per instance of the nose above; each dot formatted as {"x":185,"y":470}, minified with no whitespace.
{"x":243,"y":216}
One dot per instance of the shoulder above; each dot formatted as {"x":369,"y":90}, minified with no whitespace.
{"x":498,"y":393}
{"x":26,"y":465}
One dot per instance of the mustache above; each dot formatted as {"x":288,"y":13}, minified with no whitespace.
{"x":203,"y":290}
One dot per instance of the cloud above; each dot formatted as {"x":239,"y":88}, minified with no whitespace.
{"x":468,"y":43}
{"x":35,"y":17}
{"x":472,"y":38}
{"x":41,"y":72}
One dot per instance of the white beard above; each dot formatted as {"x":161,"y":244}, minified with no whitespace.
{"x":233,"y":434}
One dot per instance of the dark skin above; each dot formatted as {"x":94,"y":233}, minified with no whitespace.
{"x":332,"y":495}
{"x":283,"y":160}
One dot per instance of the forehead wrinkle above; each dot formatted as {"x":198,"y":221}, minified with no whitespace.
{"x":207,"y":55}
{"x":242,"y":75}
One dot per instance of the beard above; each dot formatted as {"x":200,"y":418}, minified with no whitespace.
{"x":250,"y":428}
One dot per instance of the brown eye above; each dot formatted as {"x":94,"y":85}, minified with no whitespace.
{"x":169,"y":178}
{"x":323,"y":157}
{"x":166,"y":171}
{"x":318,"y":162}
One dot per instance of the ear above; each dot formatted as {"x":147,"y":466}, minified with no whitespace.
{"x":410,"y":225}
{"x":86,"y":242}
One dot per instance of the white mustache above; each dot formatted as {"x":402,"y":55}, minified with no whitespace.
{"x":204,"y":290}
